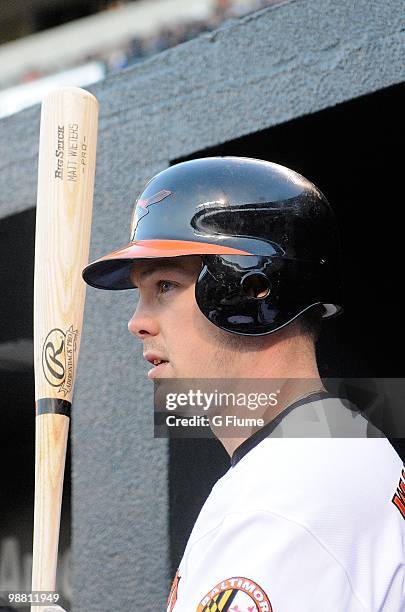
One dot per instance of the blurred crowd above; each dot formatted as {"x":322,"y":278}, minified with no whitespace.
{"x":136,"y":50}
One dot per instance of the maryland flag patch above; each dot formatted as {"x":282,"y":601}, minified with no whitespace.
{"x":235,"y":594}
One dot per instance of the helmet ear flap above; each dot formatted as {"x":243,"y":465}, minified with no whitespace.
{"x":235,"y":292}
{"x":256,"y":295}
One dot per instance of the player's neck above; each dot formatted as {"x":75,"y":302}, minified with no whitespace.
{"x":290,"y":371}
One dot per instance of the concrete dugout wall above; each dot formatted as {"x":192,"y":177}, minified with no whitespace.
{"x":227,"y":92}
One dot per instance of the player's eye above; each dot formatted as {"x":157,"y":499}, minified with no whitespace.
{"x":164,"y":286}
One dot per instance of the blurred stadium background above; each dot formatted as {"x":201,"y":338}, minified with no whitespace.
{"x":45,"y":44}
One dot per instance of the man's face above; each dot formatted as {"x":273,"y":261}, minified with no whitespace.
{"x":173,"y":329}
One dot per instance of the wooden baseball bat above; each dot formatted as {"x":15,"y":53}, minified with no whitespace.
{"x":66,"y":169}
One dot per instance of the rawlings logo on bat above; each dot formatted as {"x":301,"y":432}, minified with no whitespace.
{"x":58,"y":358}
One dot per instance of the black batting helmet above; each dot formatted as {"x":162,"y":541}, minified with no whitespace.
{"x":266,"y":235}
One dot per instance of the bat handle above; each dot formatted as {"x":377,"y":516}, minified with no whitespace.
{"x":50,"y":452}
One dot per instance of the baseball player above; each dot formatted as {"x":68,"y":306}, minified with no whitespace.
{"x":236,"y":261}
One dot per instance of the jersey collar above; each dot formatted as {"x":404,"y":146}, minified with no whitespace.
{"x":265,"y":431}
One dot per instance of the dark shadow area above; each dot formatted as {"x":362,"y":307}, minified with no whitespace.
{"x":350,"y":152}
{"x":17,"y":246}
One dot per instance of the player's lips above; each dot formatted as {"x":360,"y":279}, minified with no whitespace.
{"x":158,"y":361}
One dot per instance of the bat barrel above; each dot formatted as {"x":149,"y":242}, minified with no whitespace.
{"x":66,"y":168}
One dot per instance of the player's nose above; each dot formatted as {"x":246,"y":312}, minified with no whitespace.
{"x":142,"y":324}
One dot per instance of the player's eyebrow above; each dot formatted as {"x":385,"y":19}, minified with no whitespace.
{"x":158,"y":269}
{"x":164,"y":268}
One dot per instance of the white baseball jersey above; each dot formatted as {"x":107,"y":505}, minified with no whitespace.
{"x":299,"y":525}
